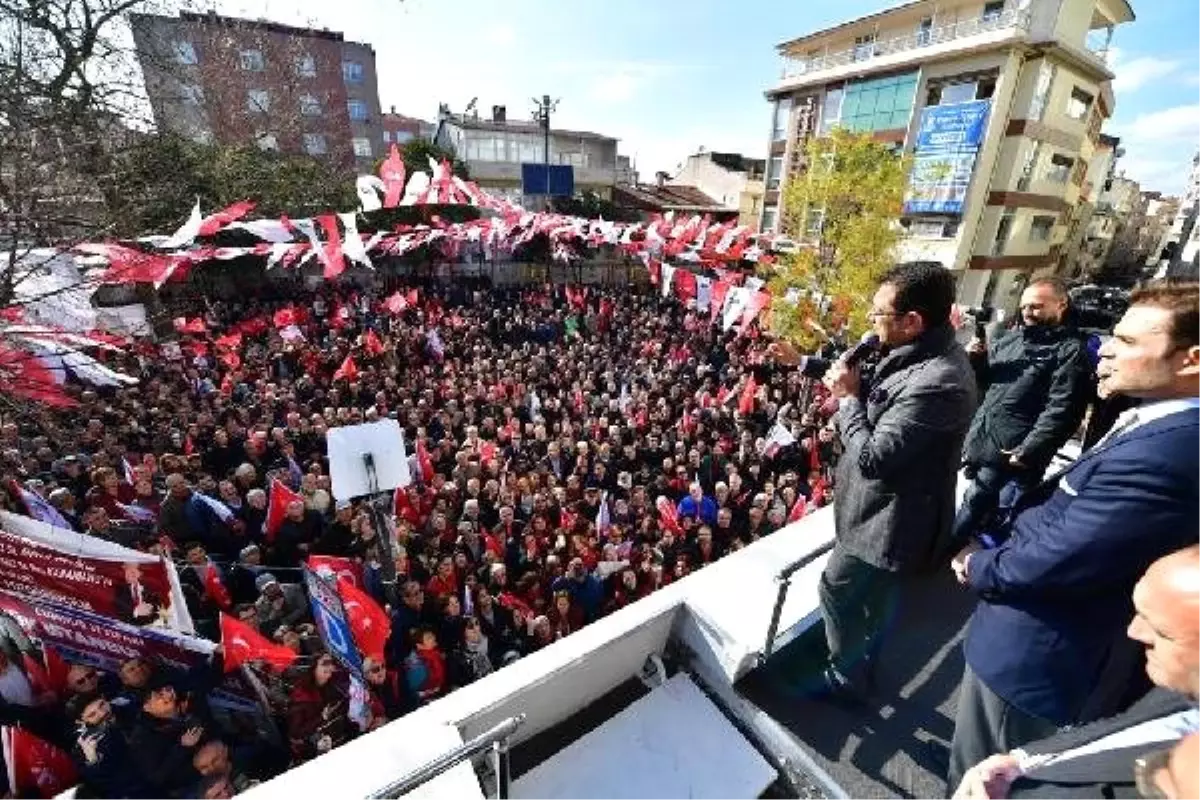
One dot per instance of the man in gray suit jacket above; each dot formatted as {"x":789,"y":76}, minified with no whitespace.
{"x":902,"y":432}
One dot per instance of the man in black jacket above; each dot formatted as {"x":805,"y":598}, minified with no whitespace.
{"x":1037,"y":383}
{"x":1167,"y":622}
{"x":164,"y":740}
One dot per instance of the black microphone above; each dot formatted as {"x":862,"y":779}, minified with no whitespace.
{"x":813,"y":367}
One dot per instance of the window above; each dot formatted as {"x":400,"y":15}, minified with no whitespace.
{"x":814,"y":221}
{"x":864,"y":47}
{"x":1041,"y":228}
{"x":924,"y":31}
{"x":362,"y":146}
{"x":314,"y":144}
{"x":957,"y":93}
{"x":993,"y":10}
{"x":779,"y":122}
{"x":357,"y":109}
{"x":831,"y":111}
{"x":306,"y":66}
{"x":1029,"y":165}
{"x":185,"y":52}
{"x":774,"y":172}
{"x":1060,"y":168}
{"x":768,"y":218}
{"x":1041,"y":92}
{"x":1003,"y":229}
{"x":403,"y":136}
{"x":310,"y":106}
{"x":258,"y":101}
{"x":251,"y":60}
{"x":1079,"y":104}
{"x":879,"y":104}
{"x":387,"y":137}
{"x":352,"y":72}
{"x":933,"y":228}
{"x":267,"y":141}
{"x":191,"y":95}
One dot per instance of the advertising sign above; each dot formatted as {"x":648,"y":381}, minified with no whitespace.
{"x":330,"y":616}
{"x":947,"y":144}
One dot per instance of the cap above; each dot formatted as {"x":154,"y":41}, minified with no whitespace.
{"x":342,"y":505}
{"x":264,"y":580}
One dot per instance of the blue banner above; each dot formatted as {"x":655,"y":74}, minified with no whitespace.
{"x":953,"y":127}
{"x":947,"y":143}
{"x":330,"y":616}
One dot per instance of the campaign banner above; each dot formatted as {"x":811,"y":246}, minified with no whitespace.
{"x":82,"y":637}
{"x":41,"y":562}
{"x":953,"y":126}
{"x":946,"y":145}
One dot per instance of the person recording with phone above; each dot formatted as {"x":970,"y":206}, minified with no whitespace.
{"x":1036,"y":380}
{"x":902,"y":432}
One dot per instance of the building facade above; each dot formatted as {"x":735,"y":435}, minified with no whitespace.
{"x":1180,"y":255}
{"x":238,"y":81}
{"x":399,"y":128}
{"x":999,"y":104}
{"x":734,"y":181}
{"x":494,"y":150}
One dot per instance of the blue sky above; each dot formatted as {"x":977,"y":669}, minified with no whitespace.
{"x":670,"y":76}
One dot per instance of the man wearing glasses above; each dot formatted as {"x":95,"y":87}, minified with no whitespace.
{"x":901,"y":434}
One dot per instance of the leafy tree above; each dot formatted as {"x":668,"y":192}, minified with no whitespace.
{"x":592,"y":206}
{"x":417,"y":152}
{"x":842,"y":210}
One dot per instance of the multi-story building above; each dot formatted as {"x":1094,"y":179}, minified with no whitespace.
{"x":494,"y":150}
{"x":399,"y":128}
{"x":1000,"y":104}
{"x":1081,"y":254}
{"x":733,"y":180}
{"x":229,"y":80}
{"x":1181,"y":248}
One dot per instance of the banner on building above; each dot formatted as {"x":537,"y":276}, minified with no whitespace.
{"x":947,"y":143}
{"x":41,"y":562}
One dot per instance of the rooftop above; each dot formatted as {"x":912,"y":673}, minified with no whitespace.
{"x":518,"y":126}
{"x":212,"y":18}
{"x":669,"y":198}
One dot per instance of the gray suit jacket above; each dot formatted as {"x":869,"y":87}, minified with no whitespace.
{"x":896,"y":479}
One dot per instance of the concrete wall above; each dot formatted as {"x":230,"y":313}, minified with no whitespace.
{"x":720,"y":184}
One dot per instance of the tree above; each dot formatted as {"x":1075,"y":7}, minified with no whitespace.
{"x":842,"y":209}
{"x":417,"y":152}
{"x":590,"y":205}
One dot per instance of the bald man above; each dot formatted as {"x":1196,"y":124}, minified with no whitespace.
{"x":1167,"y":623}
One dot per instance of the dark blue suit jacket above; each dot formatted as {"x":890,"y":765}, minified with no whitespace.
{"x":1056,"y":595}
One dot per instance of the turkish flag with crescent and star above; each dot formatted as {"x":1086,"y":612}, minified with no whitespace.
{"x":243,"y":644}
{"x":369,"y":624}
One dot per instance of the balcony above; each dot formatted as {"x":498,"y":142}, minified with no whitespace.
{"x":1011,"y":19}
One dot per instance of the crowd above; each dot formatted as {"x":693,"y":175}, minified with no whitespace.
{"x":545,"y":426}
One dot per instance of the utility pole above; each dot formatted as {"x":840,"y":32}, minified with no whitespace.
{"x":541,"y":115}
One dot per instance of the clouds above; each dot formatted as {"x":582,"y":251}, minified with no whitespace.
{"x":1174,"y":124}
{"x":1159,"y":146}
{"x":1138,"y":72}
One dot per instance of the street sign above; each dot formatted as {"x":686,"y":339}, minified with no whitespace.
{"x":330,"y":616}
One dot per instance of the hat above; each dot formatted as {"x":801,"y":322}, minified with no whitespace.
{"x":247,"y":550}
{"x":343,"y":505}
{"x":264,"y":580}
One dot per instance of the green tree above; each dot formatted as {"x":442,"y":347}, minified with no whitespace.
{"x":417,"y":152}
{"x":841,"y":209}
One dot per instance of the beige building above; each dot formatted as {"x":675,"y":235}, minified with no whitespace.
{"x":1000,"y":104}
{"x":734,"y":181}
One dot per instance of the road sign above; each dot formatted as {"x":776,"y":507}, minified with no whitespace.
{"x":330,"y":616}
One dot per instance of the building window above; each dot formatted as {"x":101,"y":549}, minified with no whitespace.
{"x":933,"y":228}
{"x":879,"y":104}
{"x":306,"y":66}
{"x":1079,"y":104}
{"x":268,"y":142}
{"x":774,"y":172}
{"x":251,"y":60}
{"x":258,"y":101}
{"x":352,"y":72}
{"x":1060,"y":168}
{"x":864,"y":47}
{"x":831,"y":110}
{"x":185,"y":53}
{"x":310,"y":106}
{"x":768,"y":219}
{"x":191,"y":95}
{"x":1029,"y":165}
{"x":1040,"y":228}
{"x":404,"y":136}
{"x":387,"y":137}
{"x":814,"y":223}
{"x":1041,"y":92}
{"x":779,"y":123}
{"x":314,"y":144}
{"x":992,"y":10}
{"x":357,"y":109}
{"x":924,"y":31}
{"x":362,"y":146}
{"x":1003,"y":229}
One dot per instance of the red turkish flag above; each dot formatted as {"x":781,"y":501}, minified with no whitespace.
{"x":336,"y":568}
{"x":347,"y":371}
{"x":396,"y":304}
{"x":369,"y":624}
{"x":214,"y":587}
{"x":371,"y":344}
{"x":335,"y":260}
{"x":24,"y":375}
{"x":217,"y":221}
{"x":424,"y":462}
{"x":487,"y":452}
{"x":799,"y":509}
{"x":243,"y":644}
{"x":746,"y":401}
{"x":413,"y":297}
{"x":232,"y":341}
{"x":668,"y":516}
{"x":392,"y":172}
{"x":49,"y":677}
{"x":277,"y":504}
{"x":285,"y":317}
{"x":717,"y":302}
{"x":36,"y":768}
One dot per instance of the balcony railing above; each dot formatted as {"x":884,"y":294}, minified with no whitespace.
{"x":929,"y":37}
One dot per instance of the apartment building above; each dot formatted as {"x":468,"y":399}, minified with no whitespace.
{"x":234,"y":81}
{"x":494,"y":150}
{"x":1000,"y":104}
{"x":400,"y":128}
{"x":733,"y":180}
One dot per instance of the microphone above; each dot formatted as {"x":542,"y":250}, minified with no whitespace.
{"x":813,"y":367}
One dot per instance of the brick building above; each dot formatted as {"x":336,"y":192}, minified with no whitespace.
{"x":229,"y":80}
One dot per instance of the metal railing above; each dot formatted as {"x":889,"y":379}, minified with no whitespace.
{"x":784,"y":579}
{"x":494,"y":739}
{"x":928,"y":37}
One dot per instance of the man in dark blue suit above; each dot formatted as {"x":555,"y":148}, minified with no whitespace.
{"x":1045,"y":642}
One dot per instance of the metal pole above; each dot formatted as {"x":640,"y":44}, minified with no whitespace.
{"x":500,"y":767}
{"x":785,"y":580}
{"x":465,"y":751}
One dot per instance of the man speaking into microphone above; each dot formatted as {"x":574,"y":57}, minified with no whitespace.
{"x":902,"y":433}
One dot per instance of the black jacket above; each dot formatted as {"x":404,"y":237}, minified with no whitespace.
{"x":160,"y":756}
{"x":1036,"y":384}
